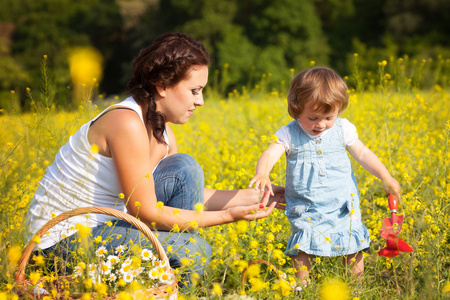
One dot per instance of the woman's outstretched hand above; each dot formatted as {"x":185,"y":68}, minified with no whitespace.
{"x":278,"y":197}
{"x":250,"y":212}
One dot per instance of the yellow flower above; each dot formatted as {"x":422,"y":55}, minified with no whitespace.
{"x":34,"y":277}
{"x":352,"y":212}
{"x":217,"y":290}
{"x":102,"y":289}
{"x":85,"y":63}
{"x":327,"y":239}
{"x":86,"y":296}
{"x":253,"y":271}
{"x":121,"y":196}
{"x":83,"y":231}
{"x":159,"y":204}
{"x":36,"y":239}
{"x":257,"y":284}
{"x":175,"y":228}
{"x":88,"y":283}
{"x":39,"y":260}
{"x":199,"y":207}
{"x":446,"y":287}
{"x":334,"y":289}
{"x":94,"y":148}
{"x":137,"y":204}
{"x":124,"y":296}
{"x":14,"y":254}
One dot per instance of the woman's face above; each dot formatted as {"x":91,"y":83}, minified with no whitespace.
{"x":178,"y":103}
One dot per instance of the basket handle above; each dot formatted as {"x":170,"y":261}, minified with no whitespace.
{"x":20,"y":274}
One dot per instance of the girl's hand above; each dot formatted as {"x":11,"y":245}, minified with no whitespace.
{"x":261,"y":181}
{"x":250,"y":212}
{"x":391,"y":186}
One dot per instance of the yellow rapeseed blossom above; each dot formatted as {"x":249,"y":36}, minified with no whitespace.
{"x":334,"y":289}
{"x":217,"y":290}
{"x":83,"y":231}
{"x":34,"y":277}
{"x":85,"y":64}
{"x":14,"y":254}
{"x":199,"y":207}
{"x":446,"y":287}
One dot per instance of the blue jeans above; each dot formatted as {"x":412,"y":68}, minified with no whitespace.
{"x":179,"y":183}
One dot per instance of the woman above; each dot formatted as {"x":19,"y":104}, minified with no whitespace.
{"x":127,"y":157}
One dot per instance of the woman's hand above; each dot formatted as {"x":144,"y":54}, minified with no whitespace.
{"x":250,"y":212}
{"x":278,"y":197}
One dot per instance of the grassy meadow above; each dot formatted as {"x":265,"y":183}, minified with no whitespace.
{"x":407,"y":127}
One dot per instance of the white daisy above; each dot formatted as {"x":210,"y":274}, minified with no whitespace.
{"x":166,"y":278}
{"x":101,"y":251}
{"x":153,"y":273}
{"x":105,"y":268}
{"x":128,"y":277}
{"x":120,"y":249}
{"x":112,"y":277}
{"x":125,"y":268}
{"x":163,"y":263}
{"x":78,"y":271}
{"x":146,"y":254}
{"x":91,"y":268}
{"x":127,"y":262}
{"x":112,"y":259}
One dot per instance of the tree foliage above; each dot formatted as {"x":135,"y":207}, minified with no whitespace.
{"x":252,"y":38}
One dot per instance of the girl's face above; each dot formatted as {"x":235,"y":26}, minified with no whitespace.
{"x":178,"y":103}
{"x":315,"y":123}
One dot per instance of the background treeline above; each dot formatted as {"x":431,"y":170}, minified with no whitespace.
{"x":249,"y":40}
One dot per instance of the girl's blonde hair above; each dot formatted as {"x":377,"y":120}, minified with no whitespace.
{"x":320,"y":86}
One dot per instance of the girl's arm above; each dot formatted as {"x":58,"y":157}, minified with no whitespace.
{"x":369,"y":161}
{"x":265,"y":165}
{"x":129,"y":145}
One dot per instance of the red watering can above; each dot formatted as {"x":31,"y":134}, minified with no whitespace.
{"x":389,"y":231}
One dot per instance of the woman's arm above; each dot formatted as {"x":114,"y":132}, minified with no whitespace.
{"x":130,"y":147}
{"x":220,"y":200}
{"x":369,"y":161}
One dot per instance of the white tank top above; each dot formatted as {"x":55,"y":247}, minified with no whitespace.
{"x":77,"y":178}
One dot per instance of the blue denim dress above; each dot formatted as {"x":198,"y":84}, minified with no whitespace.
{"x":322,"y":202}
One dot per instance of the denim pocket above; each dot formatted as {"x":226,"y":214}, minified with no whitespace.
{"x":297,"y":210}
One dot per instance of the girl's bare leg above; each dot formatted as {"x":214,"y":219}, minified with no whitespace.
{"x":356,"y":263}
{"x":302,"y":264}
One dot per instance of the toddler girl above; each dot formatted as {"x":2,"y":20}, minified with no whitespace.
{"x":322,"y":202}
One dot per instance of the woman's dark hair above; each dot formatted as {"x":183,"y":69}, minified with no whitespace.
{"x":164,"y":63}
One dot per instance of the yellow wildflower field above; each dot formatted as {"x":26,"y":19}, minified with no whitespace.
{"x":409,"y":132}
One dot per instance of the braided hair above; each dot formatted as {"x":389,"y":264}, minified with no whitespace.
{"x":165,"y":62}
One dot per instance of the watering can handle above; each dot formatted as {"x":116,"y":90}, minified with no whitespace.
{"x":393,"y":203}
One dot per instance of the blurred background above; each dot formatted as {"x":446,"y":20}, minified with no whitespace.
{"x":249,"y":40}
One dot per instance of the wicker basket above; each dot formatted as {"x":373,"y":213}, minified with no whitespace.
{"x":25,"y":289}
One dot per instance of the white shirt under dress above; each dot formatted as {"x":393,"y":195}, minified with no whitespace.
{"x":78,"y":177}
{"x":349,"y":130}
